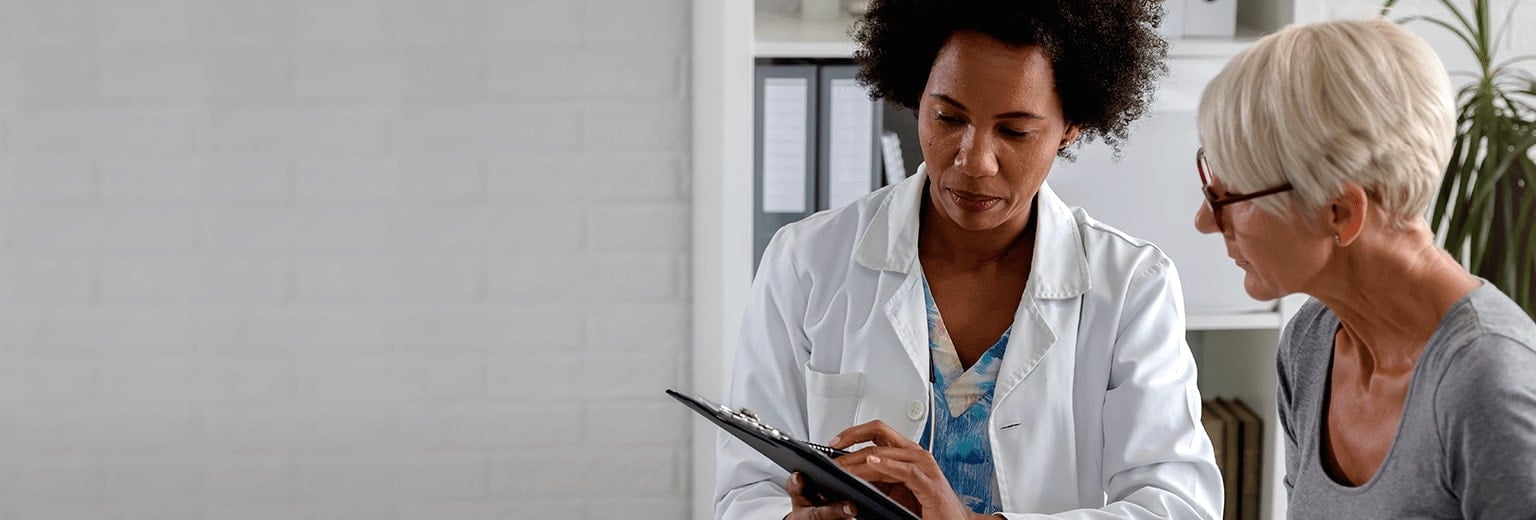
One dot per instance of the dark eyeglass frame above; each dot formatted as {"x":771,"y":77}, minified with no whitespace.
{"x":1215,"y":202}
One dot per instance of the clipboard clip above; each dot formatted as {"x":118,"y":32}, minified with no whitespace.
{"x":750,"y":418}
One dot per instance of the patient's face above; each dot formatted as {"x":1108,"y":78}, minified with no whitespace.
{"x":1278,"y":254}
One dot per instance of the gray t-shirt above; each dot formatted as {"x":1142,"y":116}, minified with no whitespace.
{"x":1466,"y":444}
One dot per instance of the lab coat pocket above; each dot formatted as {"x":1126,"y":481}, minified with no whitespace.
{"x":832,"y":402}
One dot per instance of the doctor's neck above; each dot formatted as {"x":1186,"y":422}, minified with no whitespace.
{"x":941,"y":239}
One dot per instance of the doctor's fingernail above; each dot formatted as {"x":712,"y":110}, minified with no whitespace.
{"x":874,"y":460}
{"x":833,"y":442}
{"x":848,"y":510}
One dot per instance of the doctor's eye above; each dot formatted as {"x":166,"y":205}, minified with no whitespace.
{"x":1013,"y":133}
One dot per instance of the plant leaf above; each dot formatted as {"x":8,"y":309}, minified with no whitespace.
{"x":1485,"y":208}
{"x":1488,"y":180}
{"x":1477,"y":52}
{"x":1463,"y":19}
{"x":1457,"y":232}
{"x":1502,"y":36}
{"x":1447,"y":184}
{"x":1524,"y":253}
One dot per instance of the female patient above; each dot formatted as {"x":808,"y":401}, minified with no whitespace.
{"x":1407,"y":386}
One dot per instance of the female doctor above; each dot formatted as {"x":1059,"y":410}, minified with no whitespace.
{"x":988,"y":348}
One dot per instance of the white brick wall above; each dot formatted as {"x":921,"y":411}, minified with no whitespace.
{"x":343,"y":259}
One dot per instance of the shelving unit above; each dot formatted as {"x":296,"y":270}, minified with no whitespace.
{"x":780,"y":36}
{"x":1235,"y":321}
{"x":1214,"y":47}
{"x":1235,"y":350}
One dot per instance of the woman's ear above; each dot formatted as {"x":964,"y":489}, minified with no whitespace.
{"x":1350,"y":211}
{"x":1070,"y":136}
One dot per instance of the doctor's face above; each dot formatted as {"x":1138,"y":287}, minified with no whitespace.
{"x":990,"y":124}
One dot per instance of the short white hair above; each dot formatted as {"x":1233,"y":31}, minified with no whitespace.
{"x":1328,"y":103}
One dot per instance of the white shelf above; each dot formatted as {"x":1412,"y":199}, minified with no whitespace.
{"x":1235,"y":321}
{"x":1214,"y":47}
{"x":780,"y":36}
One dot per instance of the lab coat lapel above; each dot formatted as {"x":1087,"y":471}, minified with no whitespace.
{"x":889,"y":245}
{"x":1029,"y":342}
{"x":1059,"y":271}
{"x":907,"y":312}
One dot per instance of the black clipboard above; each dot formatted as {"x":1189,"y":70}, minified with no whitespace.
{"x":824,"y":478}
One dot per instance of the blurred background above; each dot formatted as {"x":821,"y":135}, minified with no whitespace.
{"x":343,"y":259}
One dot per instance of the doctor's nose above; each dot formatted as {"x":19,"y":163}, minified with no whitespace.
{"x":978,"y":155}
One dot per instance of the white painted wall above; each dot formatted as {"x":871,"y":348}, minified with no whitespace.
{"x":1519,"y":41}
{"x":325,"y":259}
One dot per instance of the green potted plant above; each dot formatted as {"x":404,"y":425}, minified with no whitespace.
{"x":1485,"y":213}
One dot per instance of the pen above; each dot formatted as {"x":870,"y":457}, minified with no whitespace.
{"x":828,"y":450}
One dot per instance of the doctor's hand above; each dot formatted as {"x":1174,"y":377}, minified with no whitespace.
{"x":801,"y":508}
{"x":903,"y":470}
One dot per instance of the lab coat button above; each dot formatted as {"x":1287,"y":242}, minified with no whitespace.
{"x":915,"y":410}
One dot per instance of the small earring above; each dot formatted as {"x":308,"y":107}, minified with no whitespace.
{"x":1336,"y":240}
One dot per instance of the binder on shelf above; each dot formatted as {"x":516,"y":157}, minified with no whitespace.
{"x":895,"y":165}
{"x":903,"y":123}
{"x":1210,"y":18}
{"x":849,"y":154}
{"x":784,"y":158}
{"x":1251,"y":459}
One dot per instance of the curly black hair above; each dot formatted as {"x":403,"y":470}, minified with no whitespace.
{"x":1106,"y":54}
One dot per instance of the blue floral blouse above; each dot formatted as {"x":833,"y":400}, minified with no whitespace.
{"x":960,"y":440}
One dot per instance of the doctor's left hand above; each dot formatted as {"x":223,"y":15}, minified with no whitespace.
{"x":902,"y":469}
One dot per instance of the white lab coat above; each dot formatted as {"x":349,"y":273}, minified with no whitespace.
{"x":1095,"y":412}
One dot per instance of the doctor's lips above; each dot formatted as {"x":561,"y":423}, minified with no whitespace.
{"x":972,"y":201}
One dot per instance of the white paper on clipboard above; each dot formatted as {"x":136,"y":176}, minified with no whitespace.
{"x":784,"y":142}
{"x":851,"y":158}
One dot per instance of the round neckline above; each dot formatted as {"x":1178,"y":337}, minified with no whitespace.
{"x":1403,"y":417}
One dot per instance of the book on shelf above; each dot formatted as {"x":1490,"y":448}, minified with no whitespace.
{"x":1252,"y":457}
{"x":1237,"y":437}
{"x":1225,"y":441}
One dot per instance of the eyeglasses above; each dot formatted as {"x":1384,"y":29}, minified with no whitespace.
{"x":1215,"y":202}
